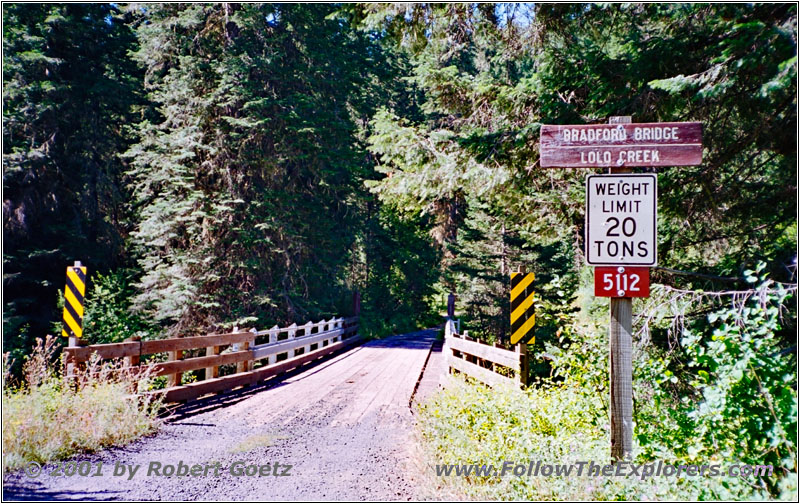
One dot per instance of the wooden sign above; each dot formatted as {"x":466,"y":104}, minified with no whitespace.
{"x":621,"y":281}
{"x":621,"y":219}
{"x":618,"y":145}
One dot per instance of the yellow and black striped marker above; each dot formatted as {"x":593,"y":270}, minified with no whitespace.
{"x":73,"y":301}
{"x":522,"y":316}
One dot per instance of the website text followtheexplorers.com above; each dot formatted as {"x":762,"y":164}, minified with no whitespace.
{"x":592,"y":469}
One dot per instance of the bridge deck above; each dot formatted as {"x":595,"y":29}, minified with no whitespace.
{"x":344,"y":426}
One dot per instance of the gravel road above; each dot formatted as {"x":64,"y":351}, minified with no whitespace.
{"x":343,"y":425}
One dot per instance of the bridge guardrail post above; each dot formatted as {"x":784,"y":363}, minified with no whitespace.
{"x":251,"y":344}
{"x":71,"y":362}
{"x":212,"y":371}
{"x":306,"y":331}
{"x":273,"y":338}
{"x":242,"y":366}
{"x":174,"y":380}
{"x":325,"y":327}
{"x":446,"y":351}
{"x":337,"y":324}
{"x":522,"y":369}
{"x":292,"y":334}
{"x":133,"y":361}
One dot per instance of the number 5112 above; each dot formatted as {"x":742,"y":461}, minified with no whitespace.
{"x":619,"y":281}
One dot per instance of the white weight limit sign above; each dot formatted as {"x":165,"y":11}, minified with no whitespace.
{"x":621,"y":212}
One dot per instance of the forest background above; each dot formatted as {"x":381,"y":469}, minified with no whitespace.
{"x":220,"y":165}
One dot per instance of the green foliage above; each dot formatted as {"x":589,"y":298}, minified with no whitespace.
{"x":738,"y":389}
{"x":249,"y":180}
{"x":400,"y":280}
{"x":109,"y":317}
{"x":489,"y":75}
{"x":726,"y":394}
{"x":242,"y":198}
{"x":69,"y":87}
{"x":581,"y":357}
{"x":253,"y":164}
{"x":471,"y":424}
{"x":221,"y":162}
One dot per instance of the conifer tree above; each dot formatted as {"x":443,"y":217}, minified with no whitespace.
{"x":69,"y":90}
{"x":250,"y":183}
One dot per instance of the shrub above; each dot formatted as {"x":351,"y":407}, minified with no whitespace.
{"x":556,"y":424}
{"x":109,"y":316}
{"x":726,"y":394}
{"x":52,"y":417}
{"x":737,"y":390}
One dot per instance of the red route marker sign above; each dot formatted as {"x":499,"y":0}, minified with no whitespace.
{"x":618,"y":145}
{"x":621,"y":281}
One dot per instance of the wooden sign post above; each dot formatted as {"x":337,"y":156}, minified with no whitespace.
{"x":621,"y":225}
{"x":621,"y":367}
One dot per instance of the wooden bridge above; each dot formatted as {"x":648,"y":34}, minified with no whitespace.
{"x":252,"y":356}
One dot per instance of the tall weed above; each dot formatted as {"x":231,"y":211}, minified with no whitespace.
{"x":50,"y":416}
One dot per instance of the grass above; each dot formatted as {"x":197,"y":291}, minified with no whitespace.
{"x":257,"y":441}
{"x":467,"y":423}
{"x":48,"y":417}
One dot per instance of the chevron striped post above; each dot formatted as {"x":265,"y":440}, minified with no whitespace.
{"x":522,"y":320}
{"x":522,"y":309}
{"x":74,"y":293}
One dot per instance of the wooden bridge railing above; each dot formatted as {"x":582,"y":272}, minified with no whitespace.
{"x":279,"y":350}
{"x":492,"y":365}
